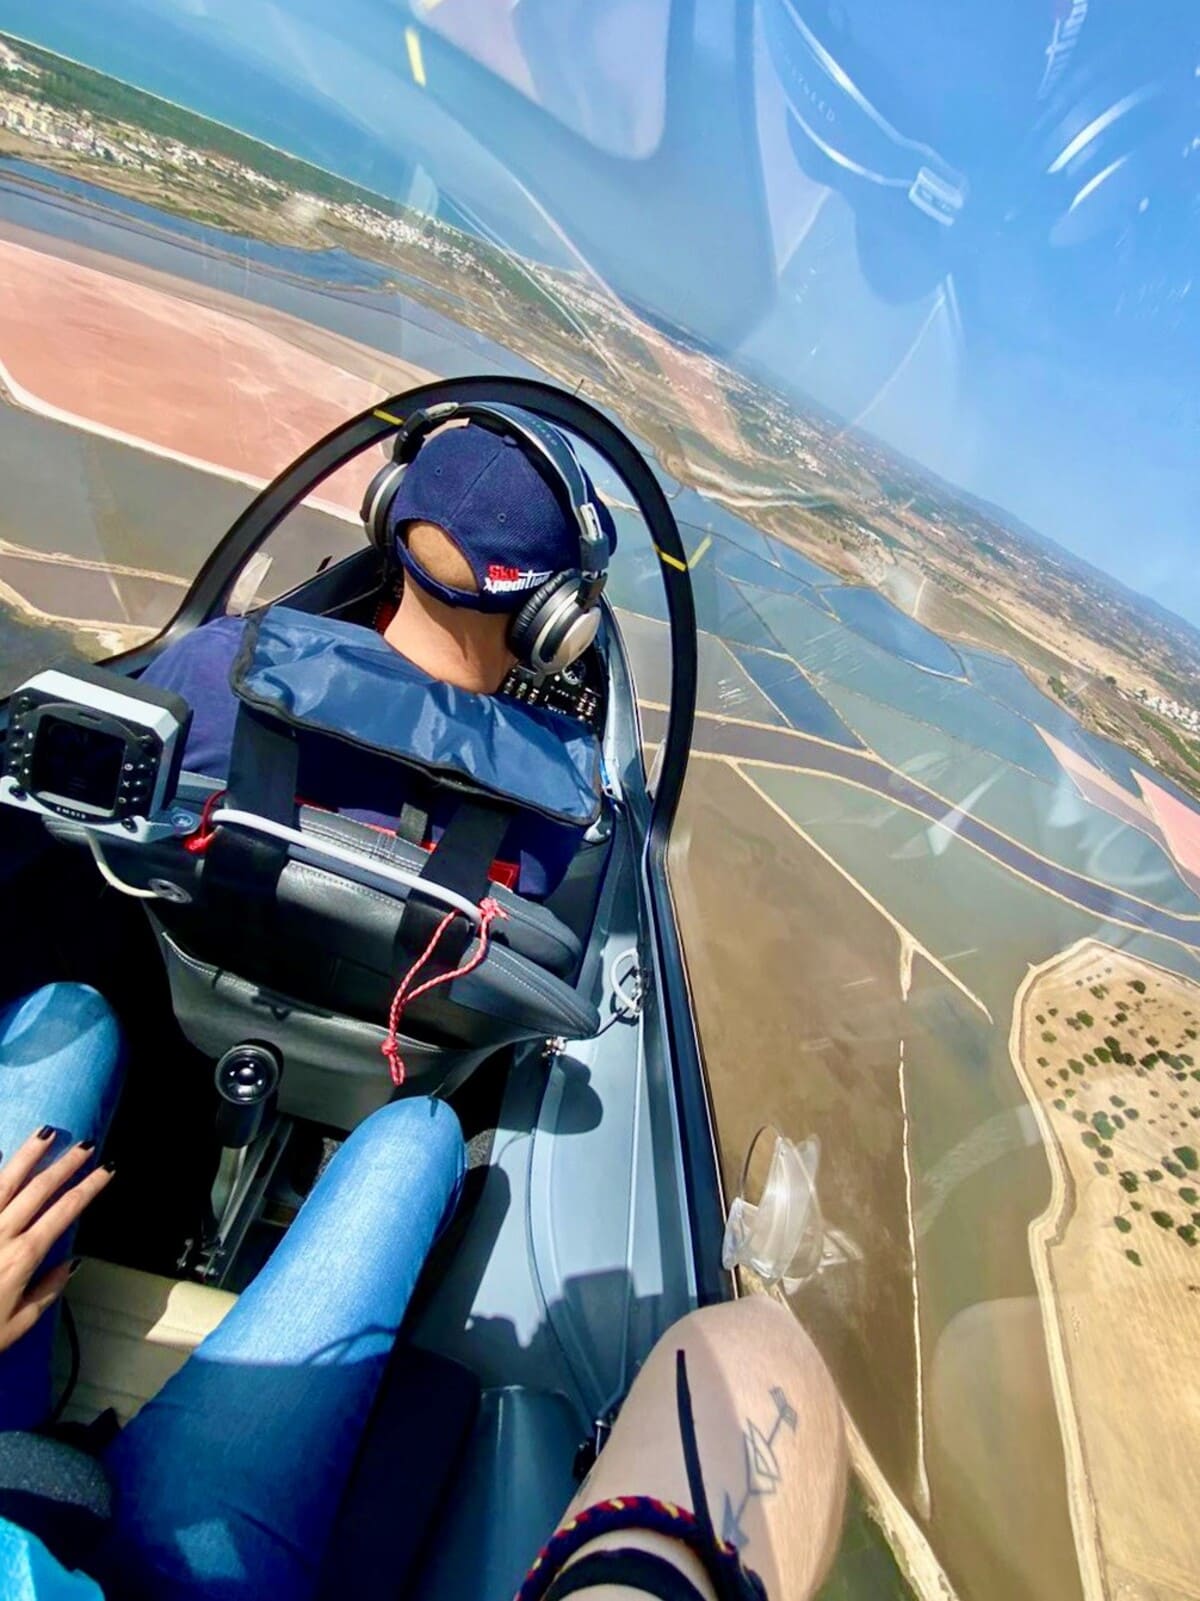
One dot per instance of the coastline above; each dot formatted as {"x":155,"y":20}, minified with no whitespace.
{"x":1044,"y":1232}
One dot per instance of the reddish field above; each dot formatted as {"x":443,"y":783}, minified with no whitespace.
{"x":1100,"y":790}
{"x":187,"y":379}
{"x":1179,"y":823}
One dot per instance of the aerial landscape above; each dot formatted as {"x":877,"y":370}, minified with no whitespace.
{"x":938,"y":863}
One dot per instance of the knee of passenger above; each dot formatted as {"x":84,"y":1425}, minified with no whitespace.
{"x":418,"y":1124}
{"x":62,"y":1013}
{"x":83,"y":1004}
{"x":758,"y":1328}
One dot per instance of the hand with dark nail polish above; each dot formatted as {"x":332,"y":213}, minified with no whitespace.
{"x":38,"y":1204}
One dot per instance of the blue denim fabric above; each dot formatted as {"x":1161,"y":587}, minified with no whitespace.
{"x":229,"y":1481}
{"x":29,"y":1573}
{"x":60,"y":1063}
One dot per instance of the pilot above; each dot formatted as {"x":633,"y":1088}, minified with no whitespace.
{"x":476,"y":529}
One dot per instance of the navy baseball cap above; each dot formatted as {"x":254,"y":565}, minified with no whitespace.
{"x":482,"y":489}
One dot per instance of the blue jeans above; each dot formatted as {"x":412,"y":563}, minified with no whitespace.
{"x":229,"y":1481}
{"x":60,"y":1063}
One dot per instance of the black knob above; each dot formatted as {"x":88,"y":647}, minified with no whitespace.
{"x":246,"y":1078}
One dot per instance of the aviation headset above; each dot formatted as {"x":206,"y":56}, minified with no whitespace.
{"x":560,"y":619}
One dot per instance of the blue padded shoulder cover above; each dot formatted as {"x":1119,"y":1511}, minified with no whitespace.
{"x":337,"y":679}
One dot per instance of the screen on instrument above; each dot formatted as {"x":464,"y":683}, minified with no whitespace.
{"x":79,"y":764}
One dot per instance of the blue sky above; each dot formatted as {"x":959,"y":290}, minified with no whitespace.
{"x":1044,"y":352}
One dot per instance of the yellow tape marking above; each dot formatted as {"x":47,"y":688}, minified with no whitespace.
{"x":386,"y":416}
{"x":682,"y":566}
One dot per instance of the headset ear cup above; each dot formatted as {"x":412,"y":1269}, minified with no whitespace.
{"x":377,"y":503}
{"x":553,"y":628}
{"x":524,"y":628}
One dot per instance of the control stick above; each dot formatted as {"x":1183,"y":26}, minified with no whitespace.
{"x":247,"y":1078}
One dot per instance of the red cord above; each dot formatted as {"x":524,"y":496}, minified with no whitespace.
{"x":489,"y":910}
{"x":199,"y":841}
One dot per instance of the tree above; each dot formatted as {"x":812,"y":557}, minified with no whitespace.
{"x":1163,"y":1219}
{"x":1123,"y":1224}
{"x":1187,"y":1155}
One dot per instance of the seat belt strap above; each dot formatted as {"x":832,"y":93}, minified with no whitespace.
{"x":264,"y":765}
{"x":461,"y":861}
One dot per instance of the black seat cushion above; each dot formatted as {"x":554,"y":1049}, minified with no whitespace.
{"x":56,"y":1492}
{"x":409,"y":1459}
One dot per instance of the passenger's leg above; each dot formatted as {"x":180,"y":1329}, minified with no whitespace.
{"x":228,"y":1482}
{"x":60,"y":1052}
{"x":772,"y":1448}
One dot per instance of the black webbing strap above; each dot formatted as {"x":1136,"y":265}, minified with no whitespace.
{"x":627,"y":1566}
{"x":263,"y":767}
{"x":461,"y":861}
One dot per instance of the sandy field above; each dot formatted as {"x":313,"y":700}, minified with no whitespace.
{"x":1117,"y":1257}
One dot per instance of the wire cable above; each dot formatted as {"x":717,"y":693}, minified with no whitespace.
{"x":340,"y":853}
{"x":110,"y":878}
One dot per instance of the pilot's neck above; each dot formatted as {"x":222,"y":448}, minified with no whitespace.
{"x":464,"y":648}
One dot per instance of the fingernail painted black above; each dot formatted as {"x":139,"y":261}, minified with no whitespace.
{"x":87,"y":1145}
{"x":45,"y":1132}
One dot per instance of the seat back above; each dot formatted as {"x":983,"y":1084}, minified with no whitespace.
{"x":313,"y":968}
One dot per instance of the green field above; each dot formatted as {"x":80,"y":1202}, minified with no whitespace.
{"x":1183,"y":748}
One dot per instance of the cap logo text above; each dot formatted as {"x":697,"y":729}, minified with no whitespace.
{"x":502,"y":580}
